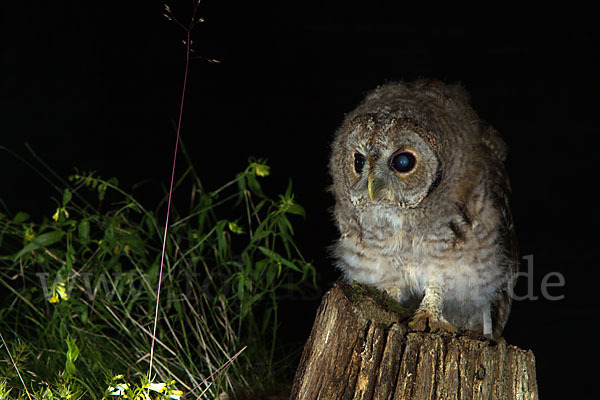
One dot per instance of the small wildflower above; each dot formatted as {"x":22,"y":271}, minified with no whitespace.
{"x":54,"y":298}
{"x":157,"y":387}
{"x":60,"y":288}
{"x":60,"y":210}
{"x":235,"y":228}
{"x":58,"y":293}
{"x":175,"y":394}
{"x":285,"y":202}
{"x":288,"y":205}
{"x":260,"y":168}
{"x":118,"y":390}
{"x":29,"y":234}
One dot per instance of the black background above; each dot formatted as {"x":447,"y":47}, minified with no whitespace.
{"x":97,"y":85}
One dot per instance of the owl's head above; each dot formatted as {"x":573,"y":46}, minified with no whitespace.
{"x":393,"y":160}
{"x":403,"y":141}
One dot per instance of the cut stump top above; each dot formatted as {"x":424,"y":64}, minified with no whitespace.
{"x":360,"y":348}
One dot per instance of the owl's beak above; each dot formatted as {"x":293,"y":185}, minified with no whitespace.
{"x":370,"y":185}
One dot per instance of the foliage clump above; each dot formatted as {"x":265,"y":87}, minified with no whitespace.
{"x":79,"y":290}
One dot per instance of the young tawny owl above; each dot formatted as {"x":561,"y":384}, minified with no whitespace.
{"x":421,"y":205}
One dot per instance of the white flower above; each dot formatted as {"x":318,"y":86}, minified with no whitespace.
{"x":118,"y":390}
{"x":157,"y":387}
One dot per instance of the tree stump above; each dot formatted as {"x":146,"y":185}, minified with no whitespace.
{"x":360,"y":348}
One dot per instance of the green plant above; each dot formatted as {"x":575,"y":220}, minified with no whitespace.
{"x":81,"y":287}
{"x":118,"y":388}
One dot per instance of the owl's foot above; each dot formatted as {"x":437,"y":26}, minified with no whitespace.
{"x":425,"y":320}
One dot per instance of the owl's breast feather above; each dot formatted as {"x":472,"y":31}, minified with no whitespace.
{"x":405,"y":261}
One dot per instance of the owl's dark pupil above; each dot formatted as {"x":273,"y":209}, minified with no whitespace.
{"x":359,"y":162}
{"x":403,"y":162}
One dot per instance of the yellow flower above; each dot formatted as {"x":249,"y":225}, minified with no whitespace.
{"x":60,"y":288}
{"x":29,"y":234}
{"x":175,"y":394}
{"x":56,"y":215}
{"x":58,"y":293}
{"x":235,"y":228}
{"x":260,"y":168}
{"x":54,"y":298}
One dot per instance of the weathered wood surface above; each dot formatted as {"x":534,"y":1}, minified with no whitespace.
{"x":360,"y":348}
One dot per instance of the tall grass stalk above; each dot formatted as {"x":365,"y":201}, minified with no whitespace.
{"x":188,"y":31}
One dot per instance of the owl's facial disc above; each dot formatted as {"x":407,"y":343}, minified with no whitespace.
{"x":394,"y":166}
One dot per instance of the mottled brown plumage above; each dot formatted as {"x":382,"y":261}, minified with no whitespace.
{"x":421,"y":206}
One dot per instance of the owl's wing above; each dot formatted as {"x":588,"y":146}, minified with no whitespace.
{"x":502,"y":304}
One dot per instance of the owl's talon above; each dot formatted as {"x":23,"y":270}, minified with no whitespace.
{"x":424,"y":320}
{"x":418,"y":322}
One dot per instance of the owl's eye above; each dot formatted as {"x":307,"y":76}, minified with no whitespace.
{"x":403,"y":161}
{"x":359,"y":162}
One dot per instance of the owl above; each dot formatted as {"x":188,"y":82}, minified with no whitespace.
{"x":421,"y":204}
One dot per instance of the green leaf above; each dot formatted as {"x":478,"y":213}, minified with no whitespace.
{"x":84,"y":316}
{"x":70,"y":368}
{"x":271,"y":272}
{"x":43,"y":240}
{"x":296,"y":209}
{"x":66,"y":197}
{"x":20,"y":217}
{"x":84,"y":231}
{"x":72,"y":349}
{"x":285,"y":226}
{"x":259,"y":235}
{"x":259,"y":268}
{"x":254,"y":186}
{"x":291,"y":265}
{"x":113,"y":181}
{"x":240,"y":287}
{"x":288,"y":191}
{"x":222,"y":245}
{"x":269,"y":253}
{"x":256,"y":298}
{"x":72,"y":355}
{"x":278,"y":258}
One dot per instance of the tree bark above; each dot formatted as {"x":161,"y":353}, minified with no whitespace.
{"x":360,"y":348}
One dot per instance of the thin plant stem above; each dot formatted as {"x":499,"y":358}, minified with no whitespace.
{"x":162,"y":257}
{"x":218,"y":372}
